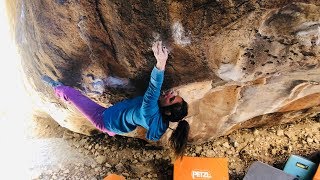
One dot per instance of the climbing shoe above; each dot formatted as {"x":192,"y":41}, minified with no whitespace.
{"x":48,"y":80}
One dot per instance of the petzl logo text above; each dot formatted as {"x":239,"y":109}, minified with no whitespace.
{"x":200,"y":174}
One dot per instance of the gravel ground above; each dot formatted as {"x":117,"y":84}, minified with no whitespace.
{"x":136,"y":159}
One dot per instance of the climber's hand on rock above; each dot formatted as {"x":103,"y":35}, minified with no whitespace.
{"x":161,"y":54}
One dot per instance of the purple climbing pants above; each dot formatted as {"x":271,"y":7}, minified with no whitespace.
{"x":91,"y":110}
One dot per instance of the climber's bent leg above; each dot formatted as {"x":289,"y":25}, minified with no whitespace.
{"x":90,"y":109}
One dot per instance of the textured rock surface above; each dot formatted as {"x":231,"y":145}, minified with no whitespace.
{"x":238,"y":63}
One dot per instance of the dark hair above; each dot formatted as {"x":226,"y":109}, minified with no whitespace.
{"x":177,"y":111}
{"x":179,"y":137}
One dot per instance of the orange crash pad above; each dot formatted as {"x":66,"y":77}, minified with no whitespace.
{"x":114,"y":177}
{"x":317,"y":175}
{"x":200,"y":168}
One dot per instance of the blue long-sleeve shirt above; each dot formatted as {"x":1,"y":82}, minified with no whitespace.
{"x":142,"y":111}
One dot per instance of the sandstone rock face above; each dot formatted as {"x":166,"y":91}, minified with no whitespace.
{"x":237,"y":63}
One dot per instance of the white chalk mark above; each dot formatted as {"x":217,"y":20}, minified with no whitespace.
{"x":179,"y":35}
{"x":98,"y":86}
{"x":309,"y":34}
{"x":116,"y":82}
{"x":229,"y":72}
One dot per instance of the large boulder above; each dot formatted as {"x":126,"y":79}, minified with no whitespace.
{"x":238,"y":63}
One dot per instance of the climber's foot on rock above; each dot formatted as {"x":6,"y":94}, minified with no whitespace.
{"x":49,"y":81}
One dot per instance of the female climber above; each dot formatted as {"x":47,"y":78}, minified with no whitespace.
{"x":152,"y":111}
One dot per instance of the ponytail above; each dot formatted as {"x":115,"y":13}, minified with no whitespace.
{"x":179,"y":138}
